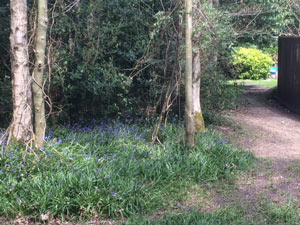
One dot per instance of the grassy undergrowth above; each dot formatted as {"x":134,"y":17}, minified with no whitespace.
{"x":295,"y":168}
{"x":269,"y":213}
{"x":270,"y":83}
{"x":111,"y":169}
{"x":194,"y":217}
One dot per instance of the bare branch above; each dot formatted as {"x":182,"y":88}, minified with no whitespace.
{"x":69,"y":7}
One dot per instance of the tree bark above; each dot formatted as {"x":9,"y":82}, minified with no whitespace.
{"x":189,"y":115}
{"x":21,"y":125}
{"x":198,"y":117}
{"x":216,"y":3}
{"x":38,"y":73}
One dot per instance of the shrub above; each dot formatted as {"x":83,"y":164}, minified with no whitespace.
{"x":252,"y":63}
{"x":218,"y":95}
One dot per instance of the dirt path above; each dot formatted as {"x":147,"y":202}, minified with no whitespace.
{"x":272,"y":133}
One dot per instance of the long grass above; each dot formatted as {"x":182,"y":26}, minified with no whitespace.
{"x":111,"y":169}
{"x":270,"y":83}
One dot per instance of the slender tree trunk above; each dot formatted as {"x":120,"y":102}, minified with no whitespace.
{"x":216,"y":3}
{"x":21,"y":125}
{"x":189,"y":117}
{"x":198,"y":117}
{"x":37,"y":85}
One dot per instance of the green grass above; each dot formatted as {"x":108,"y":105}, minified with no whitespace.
{"x":112,"y":170}
{"x":282,"y":214}
{"x":294,"y":168}
{"x":234,"y":216}
{"x":267,"y":213}
{"x":270,"y":83}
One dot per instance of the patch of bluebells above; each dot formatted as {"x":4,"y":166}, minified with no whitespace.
{"x":113,"y":156}
{"x":98,"y":132}
{"x":59,"y":141}
{"x":221,"y":142}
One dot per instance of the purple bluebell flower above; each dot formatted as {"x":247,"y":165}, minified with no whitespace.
{"x":58,"y":142}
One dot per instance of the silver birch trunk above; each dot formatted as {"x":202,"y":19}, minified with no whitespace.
{"x":216,"y":3}
{"x":198,"y":117}
{"x":38,"y":73}
{"x":21,"y":126}
{"x":189,"y":116}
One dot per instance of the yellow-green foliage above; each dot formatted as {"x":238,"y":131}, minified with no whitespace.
{"x":252,"y":63}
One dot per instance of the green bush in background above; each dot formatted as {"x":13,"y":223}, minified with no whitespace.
{"x":252,"y":63}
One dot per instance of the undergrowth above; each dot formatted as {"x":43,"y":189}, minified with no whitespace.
{"x":194,"y":217}
{"x":268,"y":213}
{"x":111,"y":170}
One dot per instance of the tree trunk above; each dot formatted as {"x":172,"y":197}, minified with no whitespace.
{"x":216,"y":3}
{"x":189,"y":116}
{"x":198,"y":117}
{"x":37,"y":85}
{"x":21,"y":125}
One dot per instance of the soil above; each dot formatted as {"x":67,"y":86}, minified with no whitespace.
{"x":272,"y":134}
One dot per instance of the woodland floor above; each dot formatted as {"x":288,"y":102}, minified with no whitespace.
{"x":272,"y":134}
{"x":270,"y":192}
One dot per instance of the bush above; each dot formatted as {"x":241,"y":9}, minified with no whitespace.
{"x":5,"y":98}
{"x":218,"y":95}
{"x":252,"y":63}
